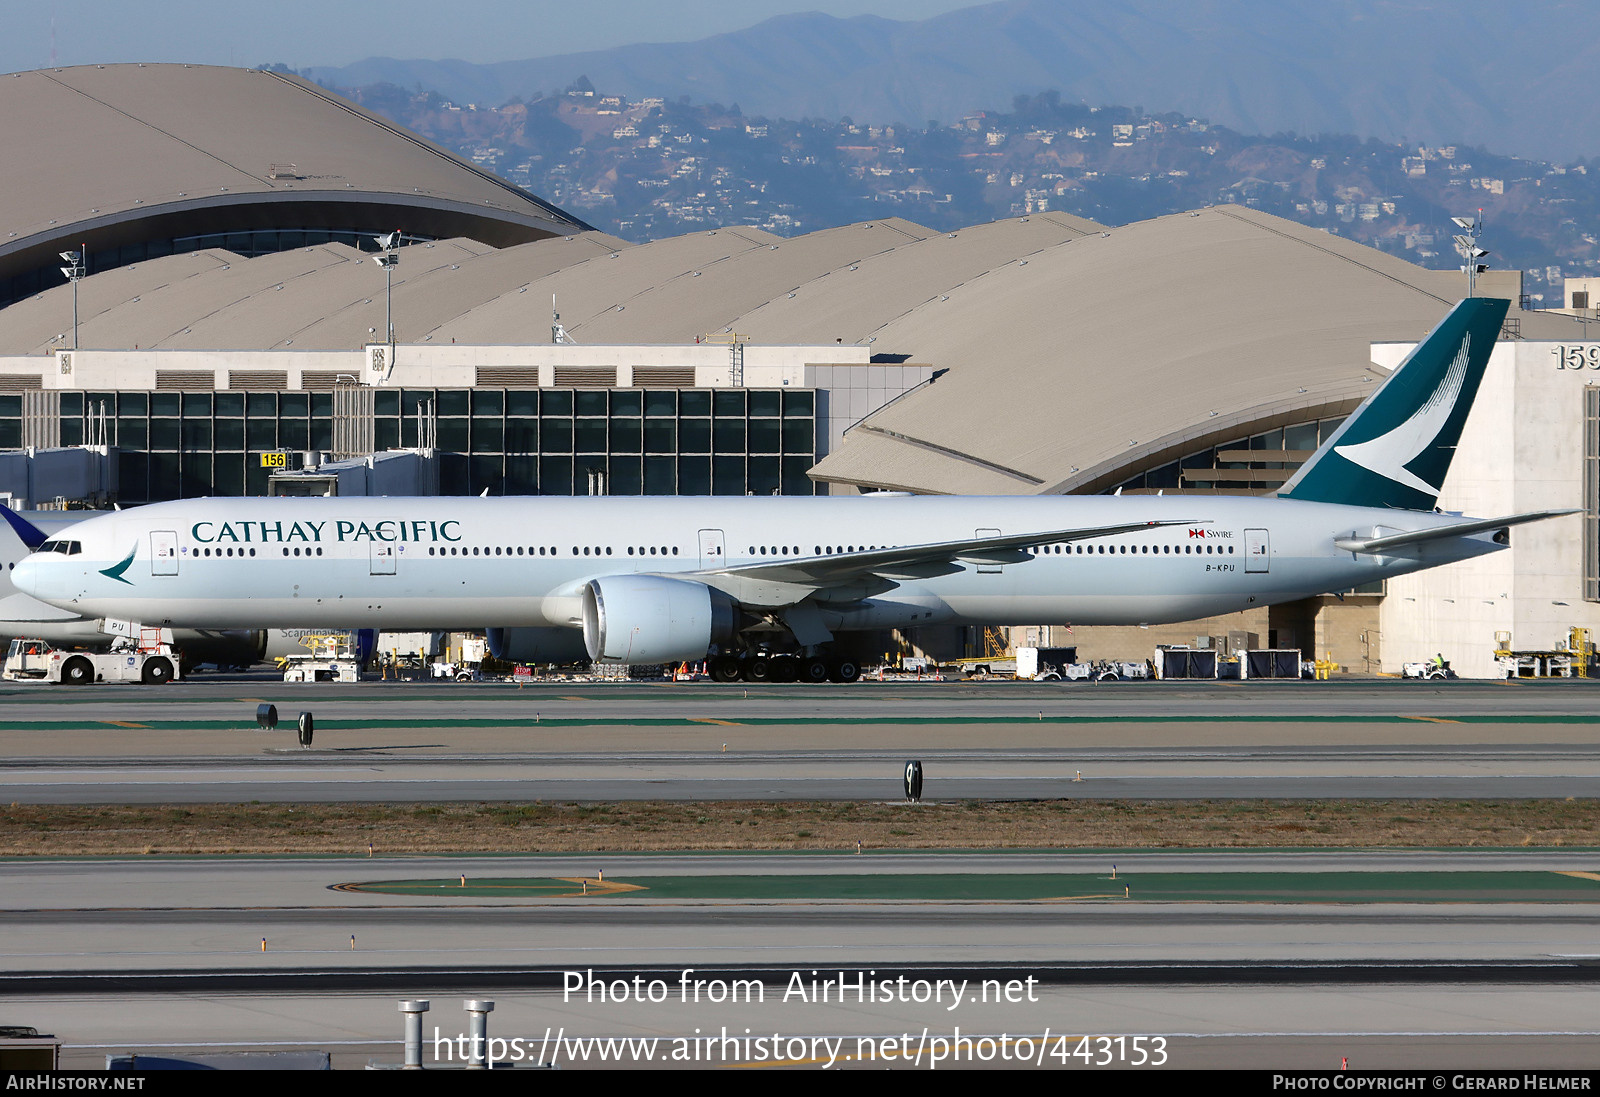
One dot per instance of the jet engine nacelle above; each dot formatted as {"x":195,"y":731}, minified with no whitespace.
{"x":537,"y":645}
{"x":653,"y":619}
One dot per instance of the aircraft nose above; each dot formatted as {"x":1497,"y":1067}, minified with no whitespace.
{"x":25,"y":576}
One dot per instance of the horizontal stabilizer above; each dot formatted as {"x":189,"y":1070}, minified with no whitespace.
{"x":1379,"y":545}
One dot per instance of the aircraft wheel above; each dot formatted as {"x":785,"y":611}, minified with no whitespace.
{"x":77,"y":672}
{"x":785,"y":668}
{"x":814,"y":670}
{"x":757,"y":669}
{"x":724,"y":668}
{"x":843,"y":670}
{"x":157,"y":671}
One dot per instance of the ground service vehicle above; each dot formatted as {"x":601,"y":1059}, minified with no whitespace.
{"x":36,"y":659}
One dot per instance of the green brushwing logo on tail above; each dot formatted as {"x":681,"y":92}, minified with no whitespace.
{"x":115,"y":570}
{"x":1395,"y":449}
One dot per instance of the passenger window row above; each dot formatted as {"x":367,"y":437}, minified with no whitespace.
{"x":497,"y":550}
{"x":72,"y":548}
{"x":542,"y":550}
{"x":1137,"y":550}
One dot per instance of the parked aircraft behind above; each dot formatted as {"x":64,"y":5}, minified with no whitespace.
{"x":654,"y":579}
{"x":25,"y":617}
{"x":22,"y":616}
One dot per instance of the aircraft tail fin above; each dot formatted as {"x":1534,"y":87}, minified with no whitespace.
{"x":31,"y":535}
{"x":1394,"y":450}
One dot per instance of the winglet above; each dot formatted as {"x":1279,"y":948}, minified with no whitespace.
{"x":31,"y":535}
{"x":1394,"y":450}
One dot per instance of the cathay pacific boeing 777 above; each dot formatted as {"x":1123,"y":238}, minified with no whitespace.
{"x":664,"y":579}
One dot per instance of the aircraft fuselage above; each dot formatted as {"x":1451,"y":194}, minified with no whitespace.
{"x":459,"y":563}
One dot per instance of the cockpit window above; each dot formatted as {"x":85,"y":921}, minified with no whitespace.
{"x":65,"y":548}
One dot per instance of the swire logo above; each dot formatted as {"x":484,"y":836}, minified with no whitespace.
{"x":1197,"y":533}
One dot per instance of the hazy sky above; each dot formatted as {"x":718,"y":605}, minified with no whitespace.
{"x":334,"y":32}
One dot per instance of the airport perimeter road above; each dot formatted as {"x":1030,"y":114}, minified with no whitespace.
{"x":383,"y":742}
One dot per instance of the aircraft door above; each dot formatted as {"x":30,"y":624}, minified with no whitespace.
{"x":988,"y":569}
{"x":383,"y":557}
{"x":713,"y":552}
{"x":163,"y":552}
{"x":1257,"y":550}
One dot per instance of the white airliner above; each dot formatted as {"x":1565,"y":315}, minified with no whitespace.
{"x":664,"y":579}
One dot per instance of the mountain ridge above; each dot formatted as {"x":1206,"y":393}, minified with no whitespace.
{"x":1388,"y":69}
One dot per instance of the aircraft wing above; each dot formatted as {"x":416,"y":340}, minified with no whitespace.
{"x":915,"y":561}
{"x":1377,"y":545}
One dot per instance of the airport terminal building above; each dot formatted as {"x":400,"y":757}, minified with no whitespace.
{"x":231,"y":320}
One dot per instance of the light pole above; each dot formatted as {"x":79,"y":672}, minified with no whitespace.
{"x":74,"y":271}
{"x":1472,"y":255}
{"x":388,"y":261}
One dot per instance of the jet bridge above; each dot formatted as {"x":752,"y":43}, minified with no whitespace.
{"x":404,"y":472}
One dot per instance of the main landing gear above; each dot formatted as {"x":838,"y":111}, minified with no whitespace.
{"x":782,"y":668}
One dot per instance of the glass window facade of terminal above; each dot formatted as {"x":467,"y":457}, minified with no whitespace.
{"x":1228,"y":467}
{"x":507,"y":441}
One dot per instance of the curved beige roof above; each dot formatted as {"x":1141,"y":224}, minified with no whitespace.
{"x":599,"y":284}
{"x":1125,"y":351}
{"x":112,"y":154}
{"x":713,"y":295}
{"x":852,"y":301}
{"x":324,"y":297}
{"x":840,"y":284}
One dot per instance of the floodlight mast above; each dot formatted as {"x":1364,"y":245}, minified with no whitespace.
{"x":74,"y":271}
{"x":390,"y":259}
{"x":1472,"y":255}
